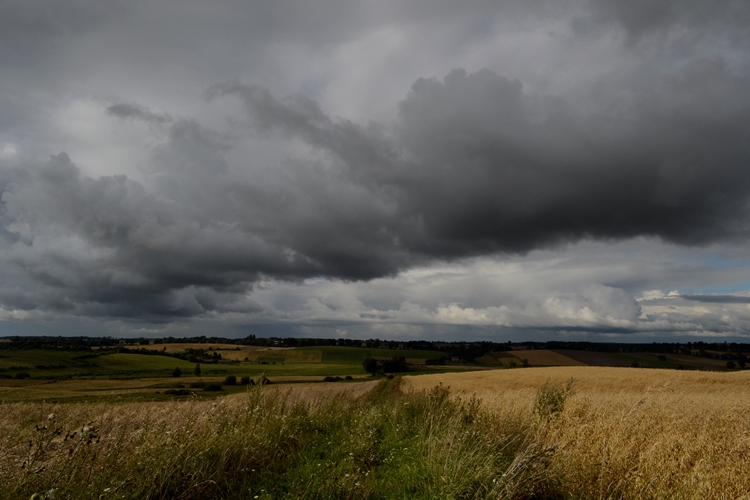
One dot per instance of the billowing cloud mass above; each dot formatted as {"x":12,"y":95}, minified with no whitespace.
{"x":565,"y":169}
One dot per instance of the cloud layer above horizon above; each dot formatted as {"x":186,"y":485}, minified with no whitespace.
{"x":558,"y":170}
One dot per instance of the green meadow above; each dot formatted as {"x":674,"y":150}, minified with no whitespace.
{"x":60,"y":375}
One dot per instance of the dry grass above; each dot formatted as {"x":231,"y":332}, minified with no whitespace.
{"x":313,"y":391}
{"x":235,"y":352}
{"x":631,"y":433}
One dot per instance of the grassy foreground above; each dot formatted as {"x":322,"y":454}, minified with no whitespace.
{"x":609,"y":434}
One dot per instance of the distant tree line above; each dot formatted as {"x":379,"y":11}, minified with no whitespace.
{"x":468,"y":351}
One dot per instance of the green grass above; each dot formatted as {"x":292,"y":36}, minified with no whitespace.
{"x":387,"y":445}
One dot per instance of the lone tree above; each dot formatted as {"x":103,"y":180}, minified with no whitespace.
{"x":370,"y":365}
{"x":197,"y":370}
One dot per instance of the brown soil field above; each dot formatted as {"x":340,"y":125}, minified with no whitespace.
{"x":688,"y":361}
{"x":545,"y":357}
{"x":590,"y":358}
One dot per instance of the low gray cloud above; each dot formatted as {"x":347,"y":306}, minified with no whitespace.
{"x":137,"y":112}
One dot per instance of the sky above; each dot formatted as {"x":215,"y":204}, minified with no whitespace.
{"x":571,"y":170}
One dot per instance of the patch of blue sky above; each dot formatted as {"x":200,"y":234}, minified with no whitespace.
{"x":718,"y":262}
{"x":716,"y":289}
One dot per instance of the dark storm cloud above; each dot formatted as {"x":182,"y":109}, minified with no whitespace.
{"x":642,"y":17}
{"x":475,"y":163}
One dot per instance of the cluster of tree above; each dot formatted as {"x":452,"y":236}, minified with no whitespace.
{"x":394,"y":365}
{"x":57,"y":343}
{"x":690,"y":348}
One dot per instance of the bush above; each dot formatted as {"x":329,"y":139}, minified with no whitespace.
{"x":550,"y":399}
{"x":246,"y":381}
{"x":176,"y":372}
{"x":22,"y":375}
{"x":370,"y":365}
{"x":348,"y":377}
{"x":177,"y":392}
{"x":230,"y":380}
{"x":436,"y":361}
{"x":212,"y":387}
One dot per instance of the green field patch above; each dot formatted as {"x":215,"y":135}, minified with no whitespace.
{"x":304,"y":355}
{"x":270,"y":360}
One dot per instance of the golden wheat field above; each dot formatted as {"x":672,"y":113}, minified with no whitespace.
{"x":631,"y":433}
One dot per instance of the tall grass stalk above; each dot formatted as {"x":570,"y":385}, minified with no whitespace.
{"x":266,"y":444}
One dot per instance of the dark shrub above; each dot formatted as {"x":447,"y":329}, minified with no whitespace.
{"x":348,"y":377}
{"x":22,"y":375}
{"x":177,"y":392}
{"x":370,"y":365}
{"x":245,"y":381}
{"x":212,"y":387}
{"x":230,"y":380}
{"x":197,"y":385}
{"x":395,"y":364}
{"x":176,"y":372}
